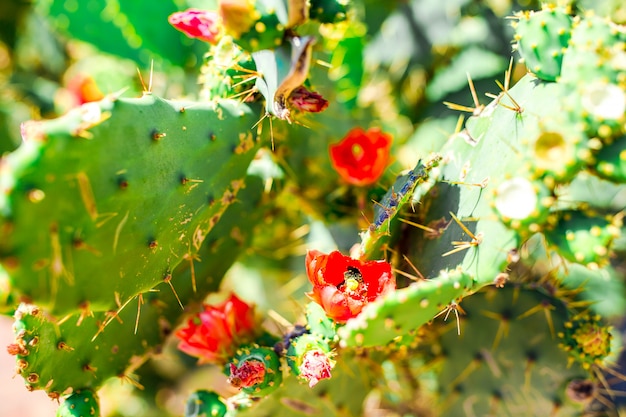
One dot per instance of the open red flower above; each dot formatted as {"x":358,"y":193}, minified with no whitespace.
{"x":214,"y":334}
{"x":201,"y":24}
{"x":361,"y":157}
{"x":343,"y":285}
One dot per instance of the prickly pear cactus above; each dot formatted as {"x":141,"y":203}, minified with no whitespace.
{"x":155,"y":206}
{"x":378,"y":270}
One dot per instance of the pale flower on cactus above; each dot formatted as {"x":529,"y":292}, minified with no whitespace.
{"x":316,"y":365}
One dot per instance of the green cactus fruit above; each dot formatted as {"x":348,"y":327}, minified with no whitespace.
{"x":103,"y":203}
{"x":256,"y":370}
{"x":494,"y":365}
{"x":329,"y":11}
{"x":82,"y":403}
{"x":203,"y":403}
{"x":90,"y":349}
{"x":406,"y":309}
{"x":541,"y":40}
{"x":584,"y":237}
{"x":318,"y":323}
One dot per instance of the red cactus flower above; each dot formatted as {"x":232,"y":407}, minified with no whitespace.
{"x":316,"y":365}
{"x":246,"y":374}
{"x":214,"y":334}
{"x":307,"y":101}
{"x":361,"y":157}
{"x":343,"y":285}
{"x":201,"y":24}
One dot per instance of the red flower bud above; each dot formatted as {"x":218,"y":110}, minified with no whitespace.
{"x":343,"y":286}
{"x":307,"y":101}
{"x":361,"y":157}
{"x":201,"y":24}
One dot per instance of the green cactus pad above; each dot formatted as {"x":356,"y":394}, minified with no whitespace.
{"x":506,"y":357}
{"x":131,"y":30}
{"x":205,"y":403}
{"x":406,"y":309}
{"x":541,"y":40}
{"x":103,"y":203}
{"x":82,"y":403}
{"x":92,"y":349}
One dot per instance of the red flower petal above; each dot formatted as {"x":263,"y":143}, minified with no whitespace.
{"x":361,"y":157}
{"x":201,"y":24}
{"x":214,"y":334}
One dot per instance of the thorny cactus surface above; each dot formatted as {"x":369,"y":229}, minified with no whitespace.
{"x":485,"y":269}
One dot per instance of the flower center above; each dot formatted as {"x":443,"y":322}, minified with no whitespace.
{"x":357,"y":151}
{"x":353,"y":283}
